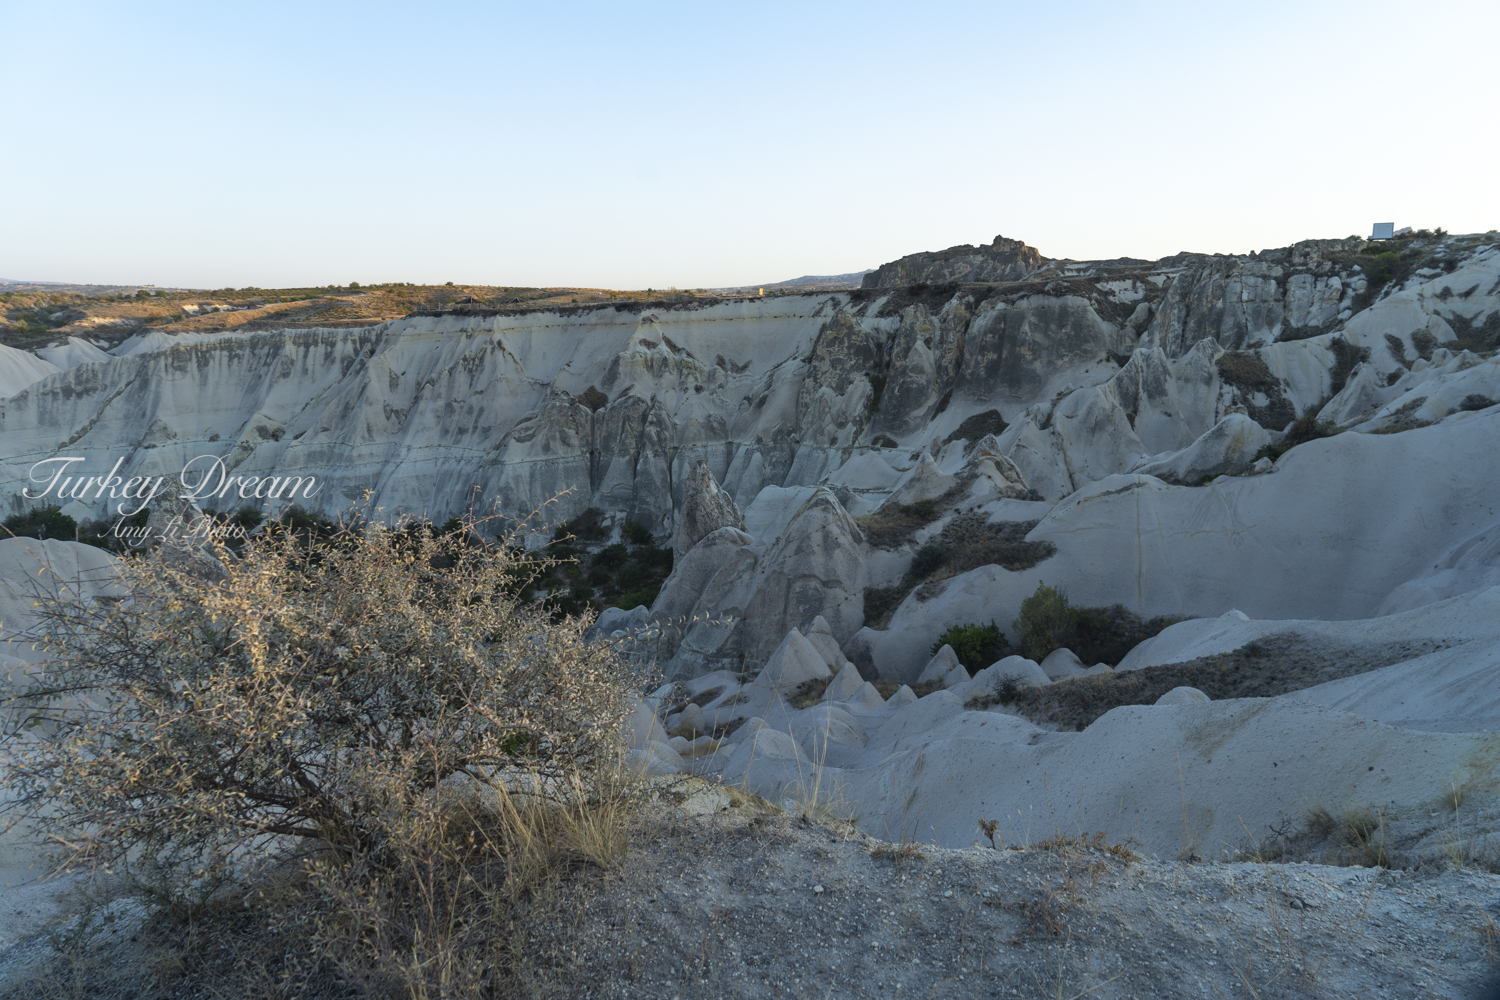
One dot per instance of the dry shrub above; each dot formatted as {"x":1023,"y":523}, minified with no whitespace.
{"x":376,"y":710}
{"x":1246,"y":370}
{"x":893,"y":524}
{"x":906,"y":850}
{"x":289,"y":691}
{"x":971,"y":541}
{"x":882,"y":602}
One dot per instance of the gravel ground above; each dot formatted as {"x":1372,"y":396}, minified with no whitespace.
{"x":724,"y":896}
{"x":722,"y":904}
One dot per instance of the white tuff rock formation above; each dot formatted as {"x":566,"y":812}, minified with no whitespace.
{"x":1274,"y":445}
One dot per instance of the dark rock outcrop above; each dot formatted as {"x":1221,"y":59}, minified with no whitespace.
{"x":1002,"y":260}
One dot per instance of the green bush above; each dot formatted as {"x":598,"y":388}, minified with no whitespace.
{"x":656,"y":556}
{"x":1047,"y":622}
{"x":42,"y":522}
{"x":637,"y":533}
{"x":611,"y":556}
{"x":1384,"y":267}
{"x":976,"y":646}
{"x":635,"y":598}
{"x":1096,"y":635}
{"x":632,"y":576}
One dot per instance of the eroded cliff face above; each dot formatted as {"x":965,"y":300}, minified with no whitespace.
{"x":1088,"y":369}
{"x":1071,"y":371}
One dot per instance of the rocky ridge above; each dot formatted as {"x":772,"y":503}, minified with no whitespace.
{"x":1001,"y":260}
{"x":1176,"y":371}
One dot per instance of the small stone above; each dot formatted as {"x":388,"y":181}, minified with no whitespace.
{"x":1183,"y":696}
{"x":690,"y":722}
{"x":817,"y":890}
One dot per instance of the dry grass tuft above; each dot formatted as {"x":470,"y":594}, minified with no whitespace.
{"x":906,"y":850}
{"x":808,"y":693}
{"x":1064,"y":843}
{"x":1489,"y":934}
{"x":1320,"y":821}
{"x":1364,"y":831}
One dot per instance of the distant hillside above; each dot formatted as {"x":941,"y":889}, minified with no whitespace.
{"x":50,"y":287}
{"x":807,"y":282}
{"x":852,"y":278}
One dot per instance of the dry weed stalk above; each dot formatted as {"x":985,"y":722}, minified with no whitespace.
{"x":1488,"y":933}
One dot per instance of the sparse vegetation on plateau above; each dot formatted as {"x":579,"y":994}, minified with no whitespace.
{"x":33,"y":316}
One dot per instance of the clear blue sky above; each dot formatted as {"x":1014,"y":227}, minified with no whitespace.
{"x":696,"y":145}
